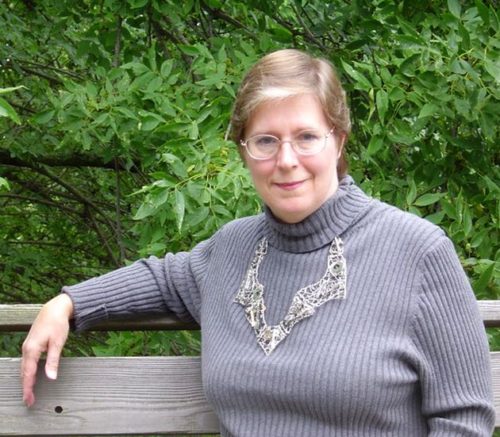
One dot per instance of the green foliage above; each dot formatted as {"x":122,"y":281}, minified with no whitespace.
{"x":113,"y":136}
{"x":427,"y":110}
{"x":149,"y":343}
{"x":6,"y":110}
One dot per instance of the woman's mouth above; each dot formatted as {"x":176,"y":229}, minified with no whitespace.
{"x":289,"y":186}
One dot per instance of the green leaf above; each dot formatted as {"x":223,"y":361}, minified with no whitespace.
{"x":8,"y":111}
{"x":483,"y":11}
{"x":10,"y":89}
{"x":382,"y":101}
{"x":193,"y":131}
{"x":126,"y":112}
{"x":189,"y":50}
{"x":449,"y":209}
{"x":166,"y":68}
{"x":176,"y":164}
{"x":478,"y":238}
{"x":43,"y":117}
{"x":455,"y":8}
{"x":488,"y":125}
{"x":493,"y":68}
{"x":179,"y":208}
{"x":135,"y":4}
{"x":358,"y":77}
{"x":412,"y":191}
{"x":281,"y":34}
{"x":467,"y":221}
{"x":145,"y":210}
{"x":481,"y":283}
{"x":436,"y":218}
{"x":427,"y":110}
{"x":396,"y":94}
{"x":196,"y":217}
{"x":149,"y":120}
{"x":428,"y":199}
{"x":375,"y":145}
{"x":464,"y":34}
{"x":4,"y":184}
{"x":492,"y":186}
{"x":137,"y":67}
{"x":154,"y":85}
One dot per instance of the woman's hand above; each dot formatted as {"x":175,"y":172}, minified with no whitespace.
{"x":47,"y":334}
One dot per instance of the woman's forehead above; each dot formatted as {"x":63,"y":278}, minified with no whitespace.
{"x":294,"y":112}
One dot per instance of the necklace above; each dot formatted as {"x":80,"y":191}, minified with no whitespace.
{"x":251,"y":295}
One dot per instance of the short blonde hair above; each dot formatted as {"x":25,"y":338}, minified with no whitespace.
{"x":286,"y":73}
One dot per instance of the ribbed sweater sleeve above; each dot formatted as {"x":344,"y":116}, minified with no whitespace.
{"x":148,"y":286}
{"x":452,"y":349}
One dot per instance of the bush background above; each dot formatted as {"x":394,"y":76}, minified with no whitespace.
{"x":113,"y":116}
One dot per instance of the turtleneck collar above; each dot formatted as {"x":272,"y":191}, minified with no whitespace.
{"x":322,"y":226}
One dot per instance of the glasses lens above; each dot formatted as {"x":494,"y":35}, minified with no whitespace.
{"x":309,"y":142}
{"x":263,"y":146}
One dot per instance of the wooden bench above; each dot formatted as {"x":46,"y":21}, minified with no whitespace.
{"x":126,"y":395}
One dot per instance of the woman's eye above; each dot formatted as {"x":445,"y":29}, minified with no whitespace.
{"x":307,"y":136}
{"x":266,"y":141}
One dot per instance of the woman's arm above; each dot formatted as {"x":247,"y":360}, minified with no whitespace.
{"x":449,"y":334}
{"x":148,"y":286}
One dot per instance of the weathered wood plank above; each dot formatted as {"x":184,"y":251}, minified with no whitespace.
{"x":109,"y":396}
{"x":490,"y":312}
{"x":20,"y":317}
{"x":495,"y":370}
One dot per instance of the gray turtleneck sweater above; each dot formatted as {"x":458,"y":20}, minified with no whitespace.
{"x":387,"y":339}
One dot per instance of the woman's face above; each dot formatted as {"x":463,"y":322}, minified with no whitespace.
{"x":291,"y":185}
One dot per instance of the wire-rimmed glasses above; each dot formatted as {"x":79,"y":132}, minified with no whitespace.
{"x":307,"y":142}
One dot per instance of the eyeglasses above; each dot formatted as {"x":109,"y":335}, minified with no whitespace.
{"x":308,"y":142}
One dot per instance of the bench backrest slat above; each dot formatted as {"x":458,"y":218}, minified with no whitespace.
{"x":20,"y":317}
{"x":106,"y":396}
{"x":127,"y":395}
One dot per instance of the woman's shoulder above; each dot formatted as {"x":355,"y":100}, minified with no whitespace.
{"x":403,"y":226}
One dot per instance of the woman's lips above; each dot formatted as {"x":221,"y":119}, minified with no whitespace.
{"x":289,"y":186}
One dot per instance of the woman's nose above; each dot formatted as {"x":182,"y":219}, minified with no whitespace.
{"x":287,"y":156}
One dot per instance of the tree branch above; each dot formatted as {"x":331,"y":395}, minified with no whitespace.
{"x":39,"y":243}
{"x":75,"y":160}
{"x":219,"y":13}
{"x":119,"y":232}
{"x":104,"y":240}
{"x":116,"y":57}
{"x":53,"y":80}
{"x":78,"y":195}
{"x":161,"y":32}
{"x":50,"y":67}
{"x":41,"y":202}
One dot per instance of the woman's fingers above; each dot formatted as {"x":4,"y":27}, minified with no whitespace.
{"x":54,"y":354}
{"x":47,"y":334}
{"x":29,"y":366}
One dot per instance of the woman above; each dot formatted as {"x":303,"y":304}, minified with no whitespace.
{"x":329,"y":314}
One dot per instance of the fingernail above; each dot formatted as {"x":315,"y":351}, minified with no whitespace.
{"x":51,"y":374}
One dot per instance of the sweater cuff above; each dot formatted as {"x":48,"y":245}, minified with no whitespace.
{"x":84,"y":317}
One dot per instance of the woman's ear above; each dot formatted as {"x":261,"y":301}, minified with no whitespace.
{"x":340,"y":144}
